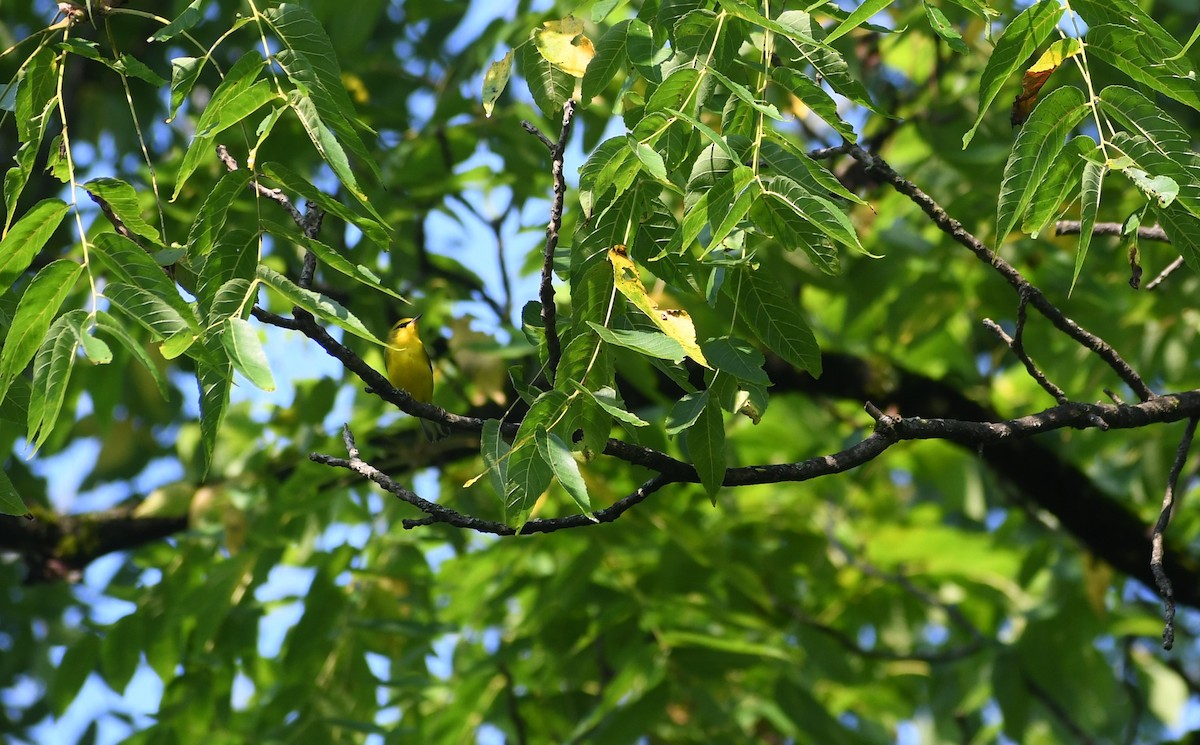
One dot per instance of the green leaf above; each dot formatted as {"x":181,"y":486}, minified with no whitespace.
{"x":1158,"y":144}
{"x":232,"y":300}
{"x":549,"y":86}
{"x":10,"y":502}
{"x":133,"y":67}
{"x":782,"y":157}
{"x":311,"y":64}
{"x":1183,"y":228}
{"x":737,"y":358}
{"x":728,"y":202}
{"x":494,"y":451}
{"x":562,"y":463}
{"x":125,"y":261}
{"x":812,"y":209}
{"x":329,"y":257}
{"x":35,"y":312}
{"x":651,"y":343}
{"x":708,"y":132}
{"x":1038,"y":144}
{"x":328,"y":145}
{"x":605,"y":169}
{"x":27,"y":238}
{"x":528,"y":473}
{"x":743,"y":93}
{"x":375,"y":231}
{"x":177,"y":330}
{"x":1093,"y":179}
{"x":1057,"y":190}
{"x":209,"y":225}
{"x":322,"y":307}
{"x":942,"y":27}
{"x":36,"y":104}
{"x":51,"y":372}
{"x":814,"y":97}
{"x":123,"y":200}
{"x":110,"y":326}
{"x":607,"y":399}
{"x":686,"y":411}
{"x":803,"y":34}
{"x":190,"y":16}
{"x":706,"y":447}
{"x":184,"y":73}
{"x":609,"y":59}
{"x":241,"y":342}
{"x":859,"y":16}
{"x":797,"y":30}
{"x":1144,"y":59}
{"x":775,"y":320}
{"x":238,"y":96}
{"x":120,"y":652}
{"x":1020,"y":39}
{"x":650,"y":159}
{"x":679,"y":92}
{"x":214,"y":382}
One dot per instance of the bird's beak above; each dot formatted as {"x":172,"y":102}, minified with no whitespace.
{"x":417,"y":317}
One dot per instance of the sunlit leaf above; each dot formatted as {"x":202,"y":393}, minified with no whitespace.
{"x":1019,"y":40}
{"x":1038,"y":144}
{"x":564,"y":45}
{"x":495,"y":80}
{"x":34,"y":315}
{"x":562,"y":463}
{"x":676,"y":324}
{"x":1038,"y":73}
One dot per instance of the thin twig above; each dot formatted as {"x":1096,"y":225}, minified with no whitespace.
{"x":546,"y":295}
{"x":1030,"y":366}
{"x":439,"y":514}
{"x":497,"y":226}
{"x":1057,"y":710}
{"x":514,"y":707}
{"x":955,"y":230}
{"x":275,"y":195}
{"x":1072,"y":227}
{"x":1165,"y":590}
{"x":1162,"y":276}
{"x":953,"y":654}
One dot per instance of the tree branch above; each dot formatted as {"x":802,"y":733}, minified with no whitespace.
{"x":546,"y":295}
{"x":955,"y":230}
{"x":1160,"y":527}
{"x":1072,"y":227}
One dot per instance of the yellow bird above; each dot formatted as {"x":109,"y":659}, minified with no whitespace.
{"x":409,"y":368}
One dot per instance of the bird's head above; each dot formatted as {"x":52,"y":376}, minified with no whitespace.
{"x":405,"y":328}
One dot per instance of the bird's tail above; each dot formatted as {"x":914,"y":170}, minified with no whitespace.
{"x":434,"y":431}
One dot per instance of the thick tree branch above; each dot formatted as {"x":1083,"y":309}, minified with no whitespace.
{"x":59,"y":547}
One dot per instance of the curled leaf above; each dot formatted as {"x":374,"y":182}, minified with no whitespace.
{"x":1037,"y":75}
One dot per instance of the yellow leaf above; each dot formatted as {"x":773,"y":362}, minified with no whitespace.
{"x":564,"y":45}
{"x":676,"y":324}
{"x":494,"y":81}
{"x":1037,"y":75}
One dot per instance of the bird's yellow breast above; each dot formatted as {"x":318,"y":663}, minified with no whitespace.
{"x":408,"y":364}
